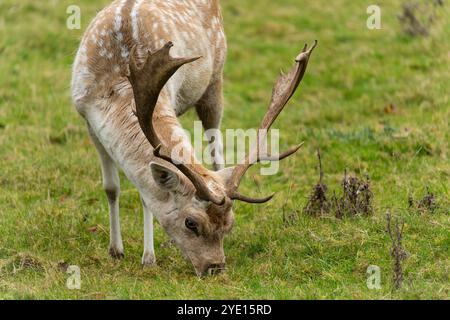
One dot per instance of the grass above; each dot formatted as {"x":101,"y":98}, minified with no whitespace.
{"x":50,"y":184}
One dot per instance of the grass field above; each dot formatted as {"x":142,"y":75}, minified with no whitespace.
{"x":51,"y":199}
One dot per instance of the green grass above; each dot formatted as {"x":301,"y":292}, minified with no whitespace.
{"x":50,"y":184}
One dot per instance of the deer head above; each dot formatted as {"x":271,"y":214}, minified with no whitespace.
{"x":200,"y":201}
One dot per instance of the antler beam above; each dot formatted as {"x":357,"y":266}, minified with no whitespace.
{"x":283,"y":90}
{"x":147,"y":83}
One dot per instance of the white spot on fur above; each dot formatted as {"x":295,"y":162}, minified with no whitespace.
{"x":118,"y":16}
{"x":124,"y":52}
{"x":134,"y":20}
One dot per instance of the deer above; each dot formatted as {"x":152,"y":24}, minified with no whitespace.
{"x":142,"y":64}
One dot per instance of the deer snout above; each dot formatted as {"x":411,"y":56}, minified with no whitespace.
{"x":210,"y":269}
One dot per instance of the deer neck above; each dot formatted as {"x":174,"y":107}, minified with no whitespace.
{"x":123,"y":139}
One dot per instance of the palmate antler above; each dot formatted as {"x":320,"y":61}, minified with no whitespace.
{"x":283,"y":90}
{"x":147,"y":83}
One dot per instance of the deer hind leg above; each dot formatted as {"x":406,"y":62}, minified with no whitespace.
{"x":111,"y":185}
{"x":210,"y":110}
{"x":148,"y":258}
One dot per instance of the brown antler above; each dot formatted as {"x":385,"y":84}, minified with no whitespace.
{"x":147,"y":83}
{"x":282,"y":92}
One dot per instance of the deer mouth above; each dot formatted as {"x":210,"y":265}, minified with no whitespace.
{"x":208,"y":270}
{"x":211,"y":270}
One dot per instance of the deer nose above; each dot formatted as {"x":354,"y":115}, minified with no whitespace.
{"x":215,"y":268}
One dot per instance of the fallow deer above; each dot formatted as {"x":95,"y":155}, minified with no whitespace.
{"x":130,"y":89}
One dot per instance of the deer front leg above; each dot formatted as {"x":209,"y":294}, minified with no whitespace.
{"x":210,"y":110}
{"x":148,"y":258}
{"x":111,"y":185}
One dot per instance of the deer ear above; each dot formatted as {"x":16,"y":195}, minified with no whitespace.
{"x":225,"y":174}
{"x":165,"y":178}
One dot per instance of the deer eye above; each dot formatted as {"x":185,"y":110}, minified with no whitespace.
{"x":191,"y":224}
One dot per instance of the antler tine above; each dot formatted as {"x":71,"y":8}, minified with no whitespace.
{"x":237,"y":196}
{"x":147,"y":83}
{"x":283,"y":90}
{"x":281,"y":156}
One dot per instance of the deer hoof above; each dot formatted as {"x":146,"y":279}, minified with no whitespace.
{"x":148,"y":260}
{"x":116,"y":253}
